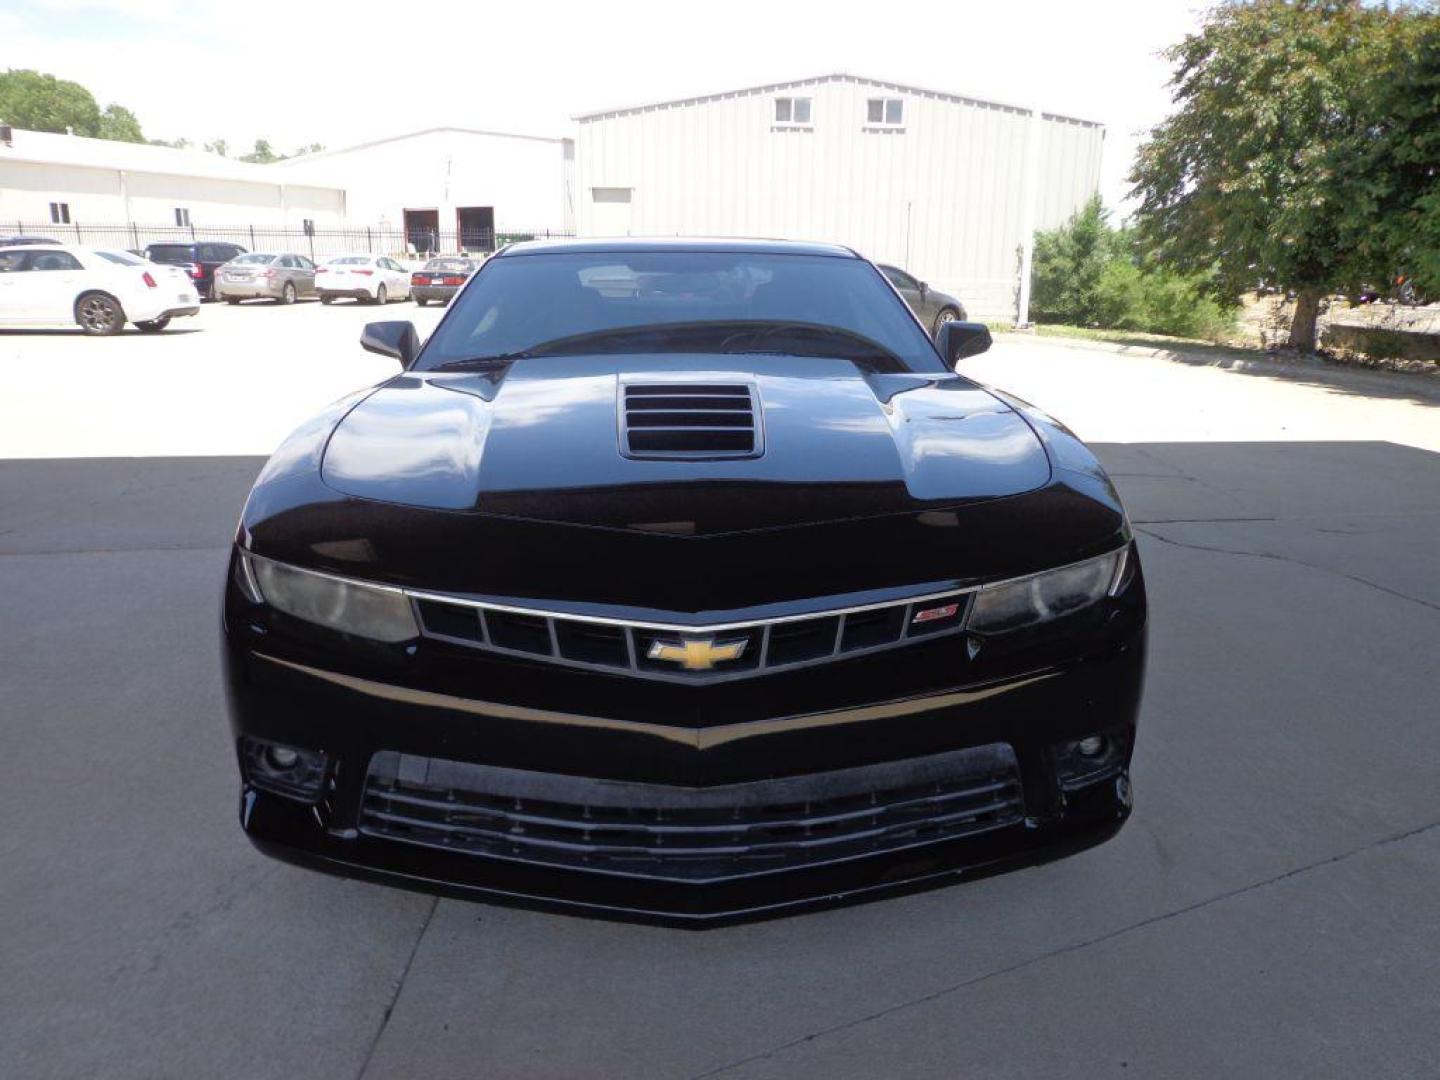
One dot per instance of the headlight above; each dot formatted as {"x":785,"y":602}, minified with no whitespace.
{"x":371,"y":611}
{"x":1012,"y":605}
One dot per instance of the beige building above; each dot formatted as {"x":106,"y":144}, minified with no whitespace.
{"x":943,"y":185}
{"x":60,"y":183}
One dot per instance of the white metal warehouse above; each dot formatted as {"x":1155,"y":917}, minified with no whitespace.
{"x":129,"y":193}
{"x":449,"y":187}
{"x":943,"y":185}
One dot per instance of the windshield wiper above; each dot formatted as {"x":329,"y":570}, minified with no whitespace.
{"x":704,"y":335}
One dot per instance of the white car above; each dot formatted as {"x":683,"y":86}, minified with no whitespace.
{"x":97,"y":288}
{"x":377,"y":279}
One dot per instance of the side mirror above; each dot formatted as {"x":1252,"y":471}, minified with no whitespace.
{"x":397,"y":339}
{"x":957,"y":340}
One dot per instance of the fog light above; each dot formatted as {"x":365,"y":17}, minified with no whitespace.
{"x":1089,"y":759}
{"x":290,"y":771}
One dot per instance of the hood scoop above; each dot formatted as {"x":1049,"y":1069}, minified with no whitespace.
{"x":690,"y":421}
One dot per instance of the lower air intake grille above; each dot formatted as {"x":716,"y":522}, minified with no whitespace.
{"x":690,"y":420}
{"x":690,"y":834}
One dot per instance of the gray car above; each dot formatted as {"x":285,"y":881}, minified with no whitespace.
{"x":282,"y":277}
{"x":931,"y":306}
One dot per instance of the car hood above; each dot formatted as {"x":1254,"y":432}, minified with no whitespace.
{"x":541,"y":440}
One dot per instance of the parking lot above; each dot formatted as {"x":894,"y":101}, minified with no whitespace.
{"x":1270,"y":910}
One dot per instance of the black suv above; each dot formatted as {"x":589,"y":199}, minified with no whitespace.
{"x":200,"y":261}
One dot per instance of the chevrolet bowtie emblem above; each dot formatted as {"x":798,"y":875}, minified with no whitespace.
{"x":697,"y":654}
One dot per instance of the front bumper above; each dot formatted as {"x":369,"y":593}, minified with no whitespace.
{"x":441,"y":719}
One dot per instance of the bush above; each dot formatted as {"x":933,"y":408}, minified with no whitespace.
{"x":1090,"y":274}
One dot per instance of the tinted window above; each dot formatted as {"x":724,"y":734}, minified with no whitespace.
{"x":12,"y":262}
{"x":171,"y":253}
{"x":54,"y":260}
{"x":351,"y":260}
{"x":682,"y":301}
{"x":901,"y":279}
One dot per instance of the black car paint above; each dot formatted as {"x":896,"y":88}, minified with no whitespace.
{"x":928,"y":303}
{"x":507,"y":486}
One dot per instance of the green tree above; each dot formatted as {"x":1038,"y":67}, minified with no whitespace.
{"x":1282,"y":163}
{"x":1091,"y":274}
{"x":263,"y":154}
{"x":217,"y":146}
{"x":119,"y":123}
{"x":174,"y":144}
{"x":39,"y":102}
{"x":1068,"y":264}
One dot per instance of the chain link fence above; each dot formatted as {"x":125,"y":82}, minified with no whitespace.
{"x":317,"y":243}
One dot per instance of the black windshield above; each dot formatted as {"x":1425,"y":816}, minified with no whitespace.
{"x":680,"y":301}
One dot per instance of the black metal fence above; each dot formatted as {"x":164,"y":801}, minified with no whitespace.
{"x":317,"y":243}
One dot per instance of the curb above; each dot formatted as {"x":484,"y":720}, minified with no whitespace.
{"x":1301,"y":368}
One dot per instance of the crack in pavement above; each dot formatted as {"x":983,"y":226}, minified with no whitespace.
{"x":114,"y":551}
{"x":1294,"y":562}
{"x":399,"y":986}
{"x":1100,"y":939}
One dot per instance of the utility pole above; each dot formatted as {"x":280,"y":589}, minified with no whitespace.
{"x":1027,"y":234}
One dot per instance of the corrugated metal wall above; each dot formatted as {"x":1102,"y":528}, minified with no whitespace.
{"x":943,"y":196}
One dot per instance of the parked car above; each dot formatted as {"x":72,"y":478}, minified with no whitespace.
{"x":282,"y":277}
{"x":96,"y":288}
{"x":687,"y":602}
{"x":440,"y":279}
{"x":199,"y":260}
{"x":377,"y":279}
{"x":931,"y":306}
{"x":19,"y":241}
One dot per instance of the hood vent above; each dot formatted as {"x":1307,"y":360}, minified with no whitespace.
{"x":690,"y":420}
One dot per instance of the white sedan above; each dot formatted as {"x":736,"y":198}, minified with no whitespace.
{"x":98,"y":289}
{"x":377,"y":279}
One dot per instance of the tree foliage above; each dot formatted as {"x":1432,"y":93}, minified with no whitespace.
{"x":119,"y":123}
{"x":39,"y":102}
{"x":1089,"y":273}
{"x":263,"y":154}
{"x":1302,"y":152}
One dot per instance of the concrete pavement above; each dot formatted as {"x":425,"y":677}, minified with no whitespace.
{"x":1269,"y":910}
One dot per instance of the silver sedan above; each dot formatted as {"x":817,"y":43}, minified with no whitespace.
{"x":282,"y":277}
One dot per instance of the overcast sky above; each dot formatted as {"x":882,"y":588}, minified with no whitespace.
{"x":340,"y":72}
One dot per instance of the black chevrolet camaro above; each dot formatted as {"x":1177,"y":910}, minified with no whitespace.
{"x":683,"y":581}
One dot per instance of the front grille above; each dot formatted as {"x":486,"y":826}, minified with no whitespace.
{"x":693,"y":653}
{"x":690,"y":834}
{"x":689,"y":420}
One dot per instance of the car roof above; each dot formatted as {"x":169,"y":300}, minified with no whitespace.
{"x":49,"y":247}
{"x":621,"y":245}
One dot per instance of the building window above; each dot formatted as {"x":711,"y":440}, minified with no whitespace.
{"x":182,"y":215}
{"x":792,"y":110}
{"x":60,"y":213}
{"x":889,"y":112}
